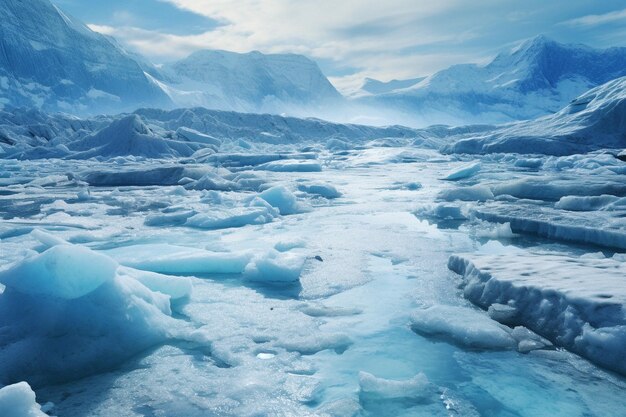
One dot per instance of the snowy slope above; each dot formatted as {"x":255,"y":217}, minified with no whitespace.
{"x":537,"y":78}
{"x":595,"y":120}
{"x":252,"y":82}
{"x":51,"y":61}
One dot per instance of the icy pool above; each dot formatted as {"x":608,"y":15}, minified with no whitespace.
{"x":289,"y":291}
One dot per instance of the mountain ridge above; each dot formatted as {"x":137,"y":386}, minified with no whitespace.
{"x":538,"y":77}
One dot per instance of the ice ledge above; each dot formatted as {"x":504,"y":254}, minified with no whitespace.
{"x":576,"y":303}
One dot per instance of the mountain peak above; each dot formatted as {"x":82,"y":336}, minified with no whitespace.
{"x":250,"y":82}
{"x":533,"y":46}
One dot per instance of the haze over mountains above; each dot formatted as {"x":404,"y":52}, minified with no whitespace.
{"x":252,"y":82}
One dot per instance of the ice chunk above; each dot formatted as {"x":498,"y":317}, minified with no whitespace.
{"x":577,"y":203}
{"x":68,"y":313}
{"x":290,"y":166}
{"x":47,"y":239}
{"x":276,"y":267}
{"x":195,"y":136}
{"x":181,"y":260}
{"x":462,"y":326}
{"x":321,"y":189}
{"x":167,"y":175}
{"x":63,"y":271}
{"x":416,"y":388}
{"x":310,"y":345}
{"x":473,"y":193}
{"x":235,"y":217}
{"x":212,"y":181}
{"x":282,"y":199}
{"x":176,"y":218}
{"x":502,"y":313}
{"x":287,"y":245}
{"x":527,"y":340}
{"x":529,"y":162}
{"x":465,"y":171}
{"x":18,"y":400}
{"x":603,"y":228}
{"x":443,"y":211}
{"x":553,"y":187}
{"x":176,"y":287}
{"x":500,"y":231}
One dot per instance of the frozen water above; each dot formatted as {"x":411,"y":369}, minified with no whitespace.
{"x":207,"y":284}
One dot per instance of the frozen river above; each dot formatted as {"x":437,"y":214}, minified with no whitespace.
{"x":332,"y":298}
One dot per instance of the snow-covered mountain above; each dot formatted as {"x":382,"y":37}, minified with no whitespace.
{"x":252,"y":82}
{"x":51,"y":61}
{"x":537,"y":78}
{"x":594,"y":120}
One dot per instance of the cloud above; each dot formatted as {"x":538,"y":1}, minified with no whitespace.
{"x":350,"y":38}
{"x":347,"y":33}
{"x":597,"y":19}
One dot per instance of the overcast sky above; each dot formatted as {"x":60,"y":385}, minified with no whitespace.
{"x":353,"y":39}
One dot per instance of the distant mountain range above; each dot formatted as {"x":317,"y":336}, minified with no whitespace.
{"x":537,"y":78}
{"x":52,"y":62}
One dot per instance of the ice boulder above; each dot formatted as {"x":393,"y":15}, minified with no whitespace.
{"x":179,"y":260}
{"x":191,"y":135}
{"x":290,"y":165}
{"x":473,"y":193}
{"x":322,"y":189}
{"x":463,"y":326}
{"x":225,"y":218}
{"x":63,"y":272}
{"x":416,"y":388}
{"x":282,"y":199}
{"x":463,"y":172}
{"x":68,"y":312}
{"x":275,"y":267}
{"x":18,"y":400}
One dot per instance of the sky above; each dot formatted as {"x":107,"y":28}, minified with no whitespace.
{"x":350,"y":39}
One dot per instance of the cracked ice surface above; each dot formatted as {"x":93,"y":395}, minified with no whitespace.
{"x":331,"y":301}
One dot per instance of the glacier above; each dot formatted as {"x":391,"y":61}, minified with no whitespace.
{"x":329,"y":291}
{"x":215,"y":260}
